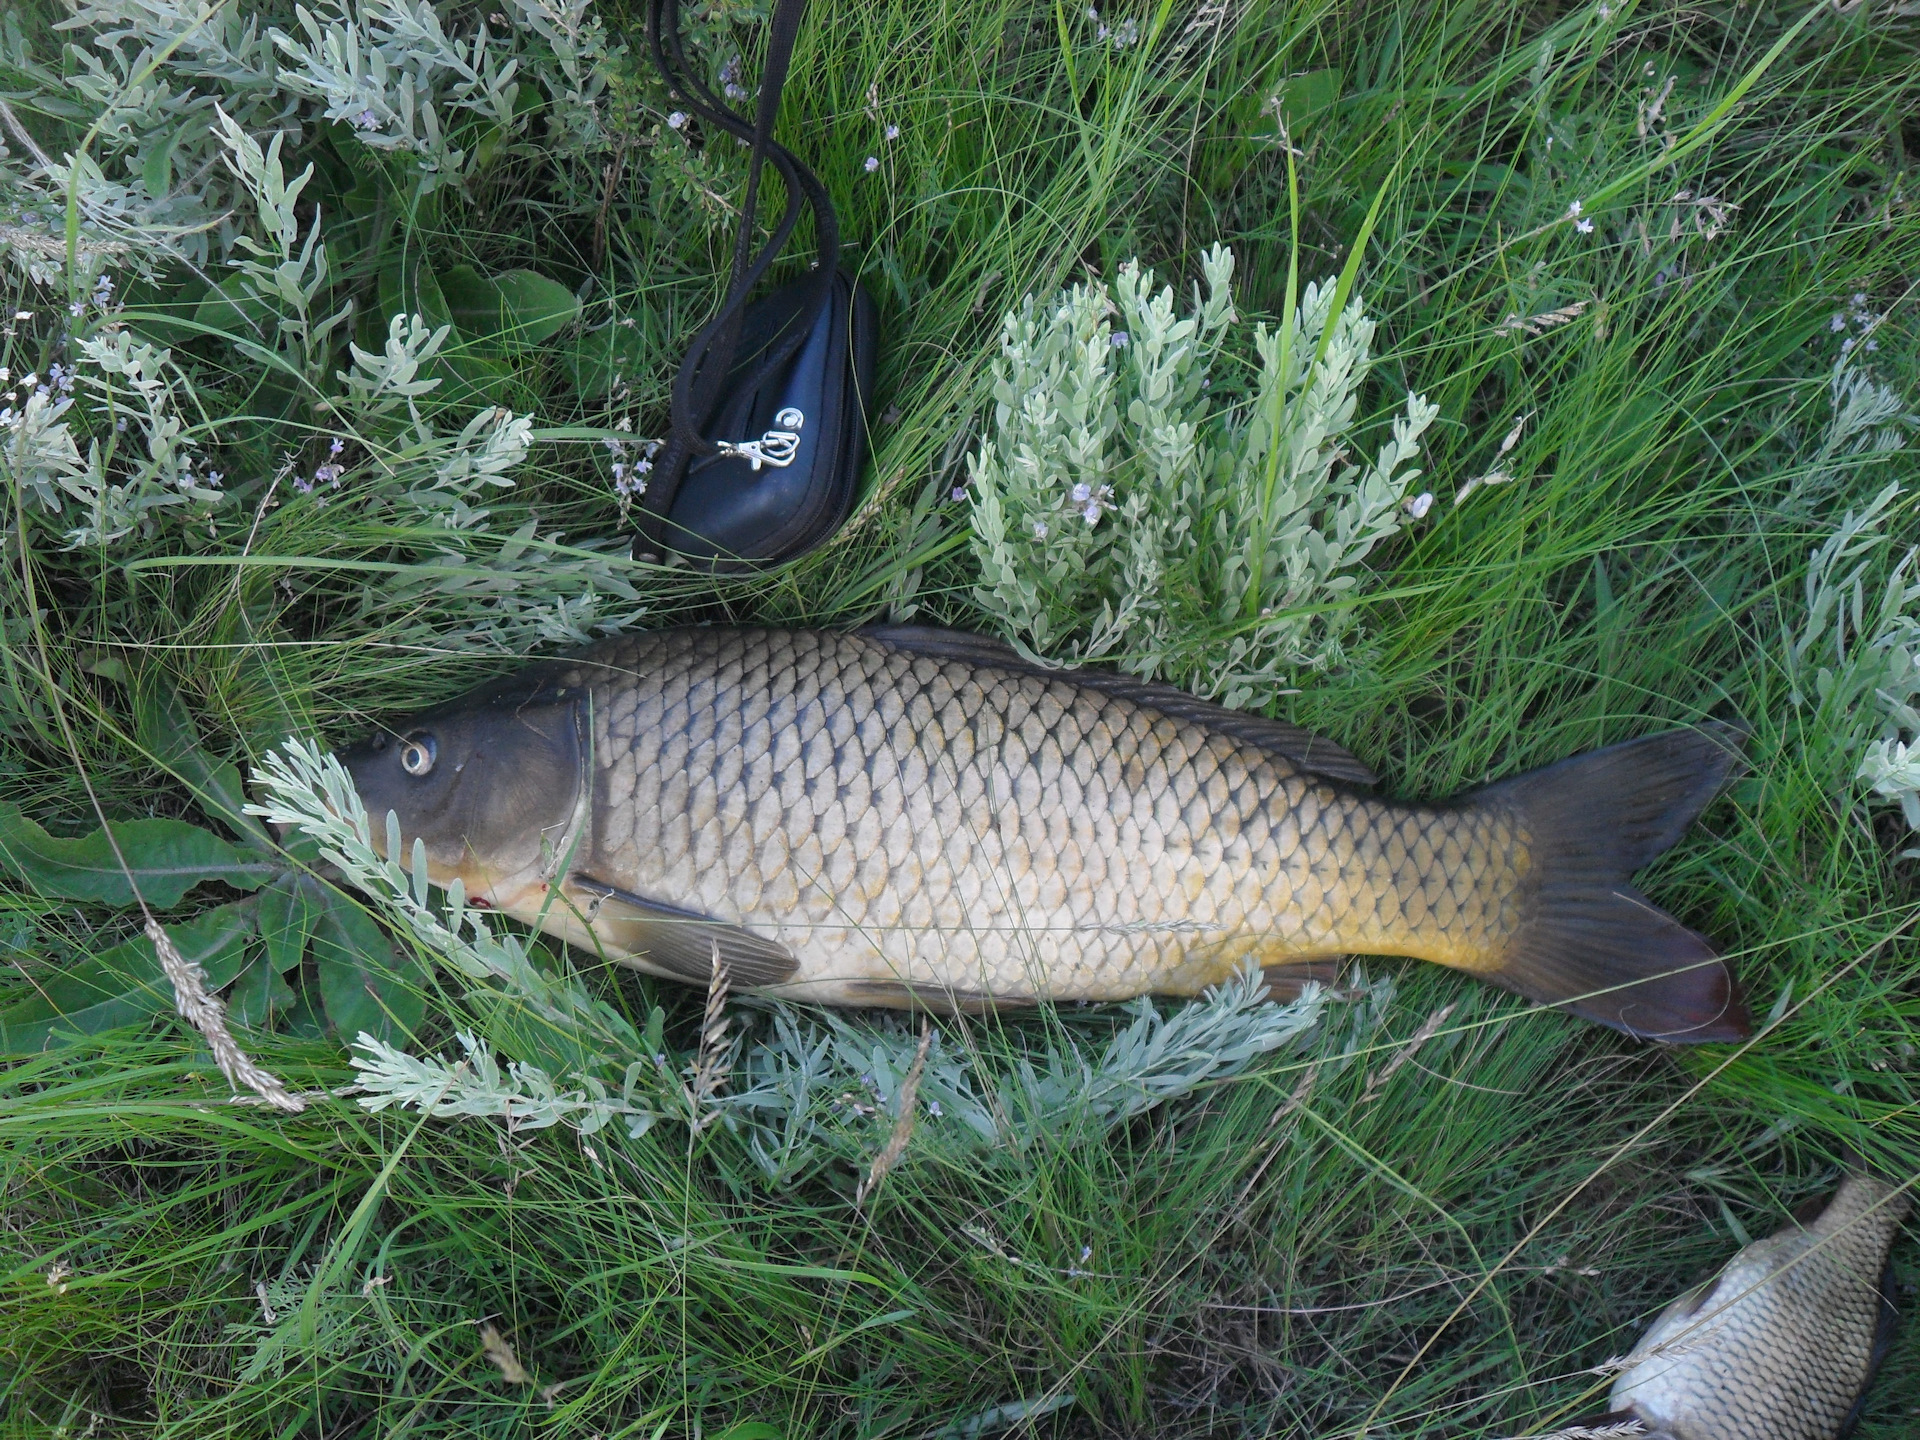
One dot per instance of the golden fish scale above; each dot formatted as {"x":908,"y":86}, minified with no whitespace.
{"x":897,"y":819}
{"x":1781,"y":1345}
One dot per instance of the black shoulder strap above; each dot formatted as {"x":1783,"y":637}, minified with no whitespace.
{"x":697,"y":388}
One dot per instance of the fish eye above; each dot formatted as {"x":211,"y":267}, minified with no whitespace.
{"x":418,"y":754}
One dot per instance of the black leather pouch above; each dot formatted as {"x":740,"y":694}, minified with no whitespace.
{"x":767,"y":433}
{"x":789,"y":441}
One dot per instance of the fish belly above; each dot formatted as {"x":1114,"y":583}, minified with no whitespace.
{"x":913,"y":827}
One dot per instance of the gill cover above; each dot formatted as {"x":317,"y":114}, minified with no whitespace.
{"x":494,"y":783}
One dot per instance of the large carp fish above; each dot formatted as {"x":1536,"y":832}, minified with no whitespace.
{"x":904,"y":816}
{"x":1781,"y":1344}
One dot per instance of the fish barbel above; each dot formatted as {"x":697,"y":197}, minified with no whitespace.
{"x":1784,"y":1341}
{"x":908,"y":816}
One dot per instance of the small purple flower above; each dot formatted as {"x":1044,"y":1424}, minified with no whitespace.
{"x":959,"y":492}
{"x":1039,"y":529}
{"x":1837,"y":323}
{"x":1082,"y":493}
{"x":337,"y":446}
{"x":677,"y":120}
{"x":893,"y":132}
{"x":1119,"y":340}
{"x":1585,"y":227}
{"x":366,"y":120}
{"x":873,"y":163}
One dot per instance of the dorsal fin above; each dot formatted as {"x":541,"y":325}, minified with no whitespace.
{"x":1309,"y":751}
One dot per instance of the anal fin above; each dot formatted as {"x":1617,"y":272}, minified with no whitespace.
{"x":676,"y":941}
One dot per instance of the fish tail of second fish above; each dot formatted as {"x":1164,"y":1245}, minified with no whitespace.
{"x":1587,"y":941}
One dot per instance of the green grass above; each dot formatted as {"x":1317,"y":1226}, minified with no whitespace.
{"x":1449,"y":1255}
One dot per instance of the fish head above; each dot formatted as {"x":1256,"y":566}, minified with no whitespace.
{"x":494,"y":785}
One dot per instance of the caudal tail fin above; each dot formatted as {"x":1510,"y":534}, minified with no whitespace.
{"x":1591,"y":943}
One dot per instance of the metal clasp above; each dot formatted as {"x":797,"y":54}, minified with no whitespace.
{"x":774,"y":447}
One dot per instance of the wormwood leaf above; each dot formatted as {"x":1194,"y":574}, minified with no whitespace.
{"x":126,"y":983}
{"x":167,"y":858}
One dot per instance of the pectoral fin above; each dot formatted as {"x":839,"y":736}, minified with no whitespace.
{"x":679,"y":942}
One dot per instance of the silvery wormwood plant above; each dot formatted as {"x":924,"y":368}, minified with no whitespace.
{"x":1120,"y":513}
{"x":1853,"y":660}
{"x":195,"y":175}
{"x":149,"y":75}
{"x":810,"y":1089}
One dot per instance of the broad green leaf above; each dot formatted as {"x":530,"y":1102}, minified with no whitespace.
{"x":408,"y":286}
{"x":167,"y":858}
{"x":523,"y":306}
{"x":167,"y":730}
{"x":473,"y":302}
{"x":289,"y":909}
{"x":1301,"y":97}
{"x":365,"y":983}
{"x":156,"y":171}
{"x":534,"y":307}
{"x":599,"y":359}
{"x":259,"y":995}
{"x":232,"y":308}
{"x":125,"y":984}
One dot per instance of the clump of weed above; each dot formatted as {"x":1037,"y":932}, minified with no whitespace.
{"x":1124,"y":511}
